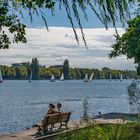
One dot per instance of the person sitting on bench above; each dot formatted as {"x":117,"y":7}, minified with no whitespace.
{"x":52,"y":109}
{"x":59,"y":106}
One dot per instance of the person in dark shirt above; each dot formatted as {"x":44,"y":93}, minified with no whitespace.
{"x":51,"y":109}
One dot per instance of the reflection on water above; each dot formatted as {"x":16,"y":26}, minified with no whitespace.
{"x":134,"y":96}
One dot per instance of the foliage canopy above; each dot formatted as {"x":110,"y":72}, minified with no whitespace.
{"x":129,"y":43}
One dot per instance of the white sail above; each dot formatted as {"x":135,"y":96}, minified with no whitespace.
{"x":0,"y":76}
{"x":121,"y":78}
{"x":91,"y":77}
{"x":62,"y":77}
{"x":86,"y":78}
{"x":52,"y":78}
{"x":30,"y":76}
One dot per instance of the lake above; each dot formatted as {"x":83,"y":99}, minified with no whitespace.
{"x":23,"y":104}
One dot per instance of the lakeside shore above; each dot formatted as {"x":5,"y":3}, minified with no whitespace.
{"x":109,"y":118}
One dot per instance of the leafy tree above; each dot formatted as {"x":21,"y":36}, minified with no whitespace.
{"x":28,"y":67}
{"x":129,"y":43}
{"x":106,"y":72}
{"x":21,"y":72}
{"x":97,"y":74}
{"x":35,"y":69}
{"x":78,"y":74}
{"x":48,"y":73}
{"x":108,"y":11}
{"x":18,"y":72}
{"x":82,"y":73}
{"x":55,"y":71}
{"x":72,"y":73}
{"x":11,"y":73}
{"x":24,"y":72}
{"x":42,"y":71}
{"x":9,"y":20}
{"x":66,"y":69}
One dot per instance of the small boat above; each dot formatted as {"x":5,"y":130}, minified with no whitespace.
{"x":1,"y":80}
{"x":52,"y":78}
{"x":91,"y":77}
{"x":30,"y":77}
{"x":86,"y":78}
{"x":62,"y":77}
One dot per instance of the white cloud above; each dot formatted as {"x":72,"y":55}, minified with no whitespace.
{"x":59,"y":43}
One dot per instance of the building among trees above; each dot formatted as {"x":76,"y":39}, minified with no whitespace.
{"x":56,"y":66}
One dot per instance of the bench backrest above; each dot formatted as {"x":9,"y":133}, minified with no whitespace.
{"x":51,"y":119}
{"x":65,"y":116}
{"x":56,"y":118}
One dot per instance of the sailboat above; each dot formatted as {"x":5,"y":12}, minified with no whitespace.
{"x":1,"y":77}
{"x":110,"y":77}
{"x":30,"y":77}
{"x":91,"y":77}
{"x":62,"y":77}
{"x":52,"y":78}
{"x":121,"y":78}
{"x":86,"y":78}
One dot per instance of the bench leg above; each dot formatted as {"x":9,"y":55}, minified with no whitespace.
{"x":64,"y":124}
{"x":52,"y":126}
{"x":45,"y":130}
{"x":60,"y":125}
{"x":39,"y":129}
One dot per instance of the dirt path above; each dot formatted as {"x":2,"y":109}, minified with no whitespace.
{"x":23,"y":135}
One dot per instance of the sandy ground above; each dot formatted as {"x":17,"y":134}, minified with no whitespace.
{"x":23,"y":135}
{"x":113,"y":118}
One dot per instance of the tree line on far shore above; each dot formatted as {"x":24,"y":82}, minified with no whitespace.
{"x":22,"y":71}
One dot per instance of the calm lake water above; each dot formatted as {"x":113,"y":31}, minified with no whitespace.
{"x":23,"y":103}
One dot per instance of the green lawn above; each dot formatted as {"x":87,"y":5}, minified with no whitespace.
{"x":129,"y":131}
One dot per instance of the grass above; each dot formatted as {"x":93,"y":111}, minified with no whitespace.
{"x":130,"y":131}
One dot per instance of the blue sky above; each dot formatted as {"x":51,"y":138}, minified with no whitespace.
{"x":59,"y":19}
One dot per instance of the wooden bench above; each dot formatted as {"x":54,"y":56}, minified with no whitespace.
{"x":50,"y":120}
